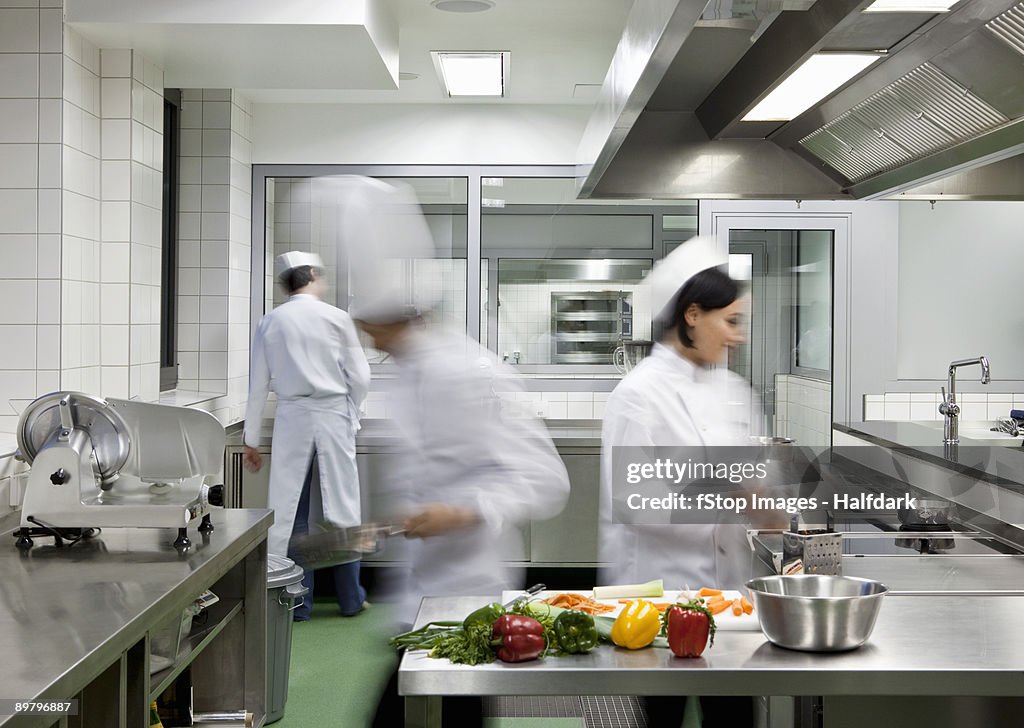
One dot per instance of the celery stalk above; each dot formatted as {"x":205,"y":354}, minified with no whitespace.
{"x":655,"y":588}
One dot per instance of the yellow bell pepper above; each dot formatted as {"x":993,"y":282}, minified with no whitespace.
{"x":637,"y":625}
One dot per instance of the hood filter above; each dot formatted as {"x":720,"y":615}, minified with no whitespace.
{"x":918,"y":114}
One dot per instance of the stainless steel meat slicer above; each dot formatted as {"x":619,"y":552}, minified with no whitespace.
{"x":99,"y":463}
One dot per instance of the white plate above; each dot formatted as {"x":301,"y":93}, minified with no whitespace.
{"x":723,"y":620}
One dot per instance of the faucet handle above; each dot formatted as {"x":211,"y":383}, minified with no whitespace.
{"x":948,"y":408}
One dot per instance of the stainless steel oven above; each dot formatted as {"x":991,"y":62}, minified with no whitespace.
{"x":586,"y":326}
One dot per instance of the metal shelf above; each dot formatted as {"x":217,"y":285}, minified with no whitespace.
{"x":223,"y":611}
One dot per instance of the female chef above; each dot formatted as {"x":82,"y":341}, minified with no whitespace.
{"x":679,"y":396}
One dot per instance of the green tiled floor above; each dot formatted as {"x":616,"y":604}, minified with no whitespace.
{"x":339,"y":667}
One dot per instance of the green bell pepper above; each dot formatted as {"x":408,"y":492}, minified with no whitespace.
{"x":484,"y":615}
{"x":576,"y":632}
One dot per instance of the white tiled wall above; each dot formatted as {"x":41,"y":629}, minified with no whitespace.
{"x":83,"y":301}
{"x":131,"y":93}
{"x":32,"y":151}
{"x":803,"y":410}
{"x":214,"y":255}
{"x":925,"y":405}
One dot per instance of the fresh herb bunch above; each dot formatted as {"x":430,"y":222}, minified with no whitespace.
{"x":468,"y":646}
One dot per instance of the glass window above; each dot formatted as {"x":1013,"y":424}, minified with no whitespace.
{"x":813,"y":324}
{"x":303,"y":214}
{"x":561,"y":279}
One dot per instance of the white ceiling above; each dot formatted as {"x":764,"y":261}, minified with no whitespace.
{"x":554,"y":45}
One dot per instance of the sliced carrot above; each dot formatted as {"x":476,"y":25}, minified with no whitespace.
{"x":715,"y":599}
{"x":716,"y":607}
{"x":737,"y":608}
{"x":747,"y":606}
{"x":707,"y":592}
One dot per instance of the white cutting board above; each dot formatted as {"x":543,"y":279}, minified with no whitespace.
{"x":723,"y":620}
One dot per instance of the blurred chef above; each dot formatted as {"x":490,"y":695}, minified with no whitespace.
{"x":678,"y":396}
{"x":468,"y":472}
{"x":308,"y":352}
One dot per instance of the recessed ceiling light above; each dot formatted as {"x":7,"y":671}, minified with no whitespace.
{"x":462,"y":6}
{"x":910,"y":6}
{"x":472,"y":73}
{"x":407,"y":76}
{"x":816,"y":78}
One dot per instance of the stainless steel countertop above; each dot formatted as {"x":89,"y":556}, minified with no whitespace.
{"x":66,"y":614}
{"x":920,"y":646}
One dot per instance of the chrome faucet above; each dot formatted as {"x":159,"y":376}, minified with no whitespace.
{"x":949,"y":407}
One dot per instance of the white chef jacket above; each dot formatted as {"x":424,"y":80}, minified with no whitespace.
{"x":668,"y":400}
{"x":461,"y":449}
{"x":308,"y":352}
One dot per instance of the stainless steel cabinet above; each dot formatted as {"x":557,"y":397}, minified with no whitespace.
{"x":569,"y":538}
{"x":244,"y":489}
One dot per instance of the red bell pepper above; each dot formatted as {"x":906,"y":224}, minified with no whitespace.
{"x":520,"y":638}
{"x":689,"y":627}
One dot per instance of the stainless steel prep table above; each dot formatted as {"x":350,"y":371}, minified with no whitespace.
{"x":69,"y":616}
{"x":920,"y":646}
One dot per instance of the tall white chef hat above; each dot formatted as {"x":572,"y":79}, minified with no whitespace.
{"x":673,"y":272}
{"x":295,"y":259}
{"x":386,"y":240}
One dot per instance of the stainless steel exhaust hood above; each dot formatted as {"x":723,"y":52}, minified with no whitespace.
{"x":941,"y":114}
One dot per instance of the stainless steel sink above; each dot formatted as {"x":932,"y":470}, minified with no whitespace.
{"x":977,"y":433}
{"x":968,"y":562}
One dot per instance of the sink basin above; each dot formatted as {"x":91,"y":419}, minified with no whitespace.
{"x":976,"y":433}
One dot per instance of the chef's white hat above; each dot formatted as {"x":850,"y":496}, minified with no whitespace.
{"x":673,"y":272}
{"x":386,"y":240}
{"x":295,"y":259}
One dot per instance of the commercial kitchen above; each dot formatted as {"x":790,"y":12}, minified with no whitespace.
{"x":858,"y":165}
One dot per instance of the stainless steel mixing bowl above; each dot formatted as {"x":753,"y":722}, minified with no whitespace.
{"x":816,"y":613}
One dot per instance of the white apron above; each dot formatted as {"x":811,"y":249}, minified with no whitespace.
{"x":308,"y":352}
{"x":301,"y":427}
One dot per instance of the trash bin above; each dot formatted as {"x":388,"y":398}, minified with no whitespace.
{"x":284,"y":587}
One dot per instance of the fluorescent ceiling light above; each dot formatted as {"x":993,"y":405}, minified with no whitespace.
{"x":910,"y":6}
{"x":472,"y":73}
{"x":816,"y":78}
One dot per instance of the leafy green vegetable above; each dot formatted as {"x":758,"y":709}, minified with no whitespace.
{"x":468,"y":646}
{"x":484,"y":615}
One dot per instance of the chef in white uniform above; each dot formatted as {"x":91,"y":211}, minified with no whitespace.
{"x":678,"y":396}
{"x":308,"y":352}
{"x":469,"y":471}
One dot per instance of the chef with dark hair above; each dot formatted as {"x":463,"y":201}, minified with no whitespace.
{"x":308,"y":352}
